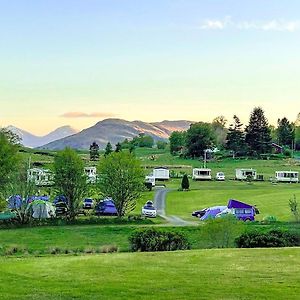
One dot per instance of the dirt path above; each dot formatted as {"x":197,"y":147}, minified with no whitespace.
{"x":160,"y":204}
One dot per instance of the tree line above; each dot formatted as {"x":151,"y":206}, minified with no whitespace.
{"x":254,"y":139}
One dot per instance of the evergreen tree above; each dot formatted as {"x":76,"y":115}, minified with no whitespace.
{"x":185,"y":184}
{"x":235,"y":139}
{"x":108,"y":149}
{"x":118,"y":147}
{"x":258,"y":135}
{"x":285,"y":132}
{"x":94,"y":151}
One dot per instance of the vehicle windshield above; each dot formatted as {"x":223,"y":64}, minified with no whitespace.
{"x":149,"y":207}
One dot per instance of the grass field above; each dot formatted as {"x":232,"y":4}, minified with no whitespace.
{"x":201,"y":274}
{"x":270,"y":199}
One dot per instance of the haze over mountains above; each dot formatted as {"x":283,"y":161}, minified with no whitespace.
{"x":33,"y":141}
{"x":116,"y":130}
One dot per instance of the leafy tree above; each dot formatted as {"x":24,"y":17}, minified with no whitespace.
{"x":236,"y":137}
{"x":294,"y":208}
{"x":70,"y":179}
{"x":177,"y":141}
{"x":161,"y":144}
{"x":218,"y":125}
{"x":118,"y":147}
{"x":200,"y":136}
{"x":121,"y":178}
{"x":185,"y":184}
{"x":94,"y":151}
{"x":285,"y":132}
{"x":258,"y":135}
{"x":9,"y":160}
{"x":108,"y":149}
{"x":143,"y":140}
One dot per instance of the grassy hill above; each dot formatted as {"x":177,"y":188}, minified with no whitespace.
{"x":201,"y":274}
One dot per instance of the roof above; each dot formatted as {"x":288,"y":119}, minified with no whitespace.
{"x":238,"y":204}
{"x":161,"y":168}
{"x":202,"y":169}
{"x":287,"y":171}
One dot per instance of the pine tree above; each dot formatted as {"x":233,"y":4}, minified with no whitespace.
{"x":108,"y":149}
{"x":258,"y":135}
{"x":185,"y":184}
{"x":118,"y":147}
{"x":94,"y":151}
{"x":285,"y":132}
{"x":235,"y":139}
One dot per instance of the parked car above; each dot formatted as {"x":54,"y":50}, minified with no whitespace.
{"x":106,"y":207}
{"x":88,"y":203}
{"x":220,"y":176}
{"x":61,"y":208}
{"x":149,"y":210}
{"x":199,"y":213}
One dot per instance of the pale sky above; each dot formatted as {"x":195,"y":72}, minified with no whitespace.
{"x":77,"y":62}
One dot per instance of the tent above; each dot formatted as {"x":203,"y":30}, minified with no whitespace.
{"x":42,"y":209}
{"x":211,"y":212}
{"x":14,"y":202}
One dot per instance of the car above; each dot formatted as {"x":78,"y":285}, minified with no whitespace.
{"x":220,"y":176}
{"x":61,"y":208}
{"x":88,"y":203}
{"x":199,"y":213}
{"x":149,"y":210}
{"x":106,"y":207}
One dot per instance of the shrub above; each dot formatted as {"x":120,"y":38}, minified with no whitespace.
{"x":151,"y":239}
{"x":109,"y":249}
{"x":272,"y":238}
{"x":269,"y":220}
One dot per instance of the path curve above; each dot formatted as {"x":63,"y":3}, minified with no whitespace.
{"x":160,"y":204}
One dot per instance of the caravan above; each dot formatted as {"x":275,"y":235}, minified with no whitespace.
{"x":287,"y":176}
{"x":201,"y":174}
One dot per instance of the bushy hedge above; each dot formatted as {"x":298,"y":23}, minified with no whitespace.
{"x":152,"y":239}
{"x":272,"y":238}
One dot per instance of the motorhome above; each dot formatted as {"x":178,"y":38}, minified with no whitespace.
{"x":243,"y":174}
{"x":161,"y":173}
{"x":201,"y":174}
{"x":287,"y":176}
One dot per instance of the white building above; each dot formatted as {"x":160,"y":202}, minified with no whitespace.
{"x":243,"y":174}
{"x":287,"y":176}
{"x":201,"y":174}
{"x":91,"y":173}
{"x":40,"y":177}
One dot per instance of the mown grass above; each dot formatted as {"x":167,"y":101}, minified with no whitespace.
{"x":270,"y":199}
{"x":201,"y":274}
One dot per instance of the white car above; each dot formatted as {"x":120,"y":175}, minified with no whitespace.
{"x":149,"y":210}
{"x":220,"y":176}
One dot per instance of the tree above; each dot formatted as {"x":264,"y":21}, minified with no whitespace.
{"x":293,"y":204}
{"x":9,"y":160}
{"x":185,"y":184}
{"x":235,"y":137}
{"x":218,"y":125}
{"x":177,"y":141}
{"x":108,"y":149}
{"x":94,"y":151}
{"x":121,"y":178}
{"x":258,"y":135}
{"x":200,"y":136}
{"x":161,"y":144}
{"x":118,"y":147}
{"x":70,"y":179}
{"x":285,"y":132}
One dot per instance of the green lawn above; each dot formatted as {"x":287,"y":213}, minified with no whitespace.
{"x":201,"y":274}
{"x":270,"y":199}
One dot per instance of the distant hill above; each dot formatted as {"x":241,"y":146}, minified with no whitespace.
{"x":33,"y":141}
{"x":116,"y":130}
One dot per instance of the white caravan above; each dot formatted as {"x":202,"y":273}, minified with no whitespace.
{"x":287,"y":176}
{"x":201,"y":174}
{"x":243,"y":174}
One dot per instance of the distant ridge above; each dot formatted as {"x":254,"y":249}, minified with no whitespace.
{"x":116,"y":130}
{"x":33,"y":141}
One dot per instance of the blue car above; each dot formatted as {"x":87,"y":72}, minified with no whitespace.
{"x":106,"y":207}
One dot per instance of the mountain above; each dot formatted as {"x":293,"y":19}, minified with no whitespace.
{"x":116,"y":130}
{"x":33,"y":141}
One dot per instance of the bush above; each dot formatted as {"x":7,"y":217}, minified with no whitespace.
{"x":272,"y":238}
{"x":269,"y":220}
{"x":151,"y":239}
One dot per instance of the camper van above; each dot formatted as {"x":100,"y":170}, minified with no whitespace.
{"x":161,"y":173}
{"x":243,"y":174}
{"x":201,"y":174}
{"x":287,"y":176}
{"x":150,"y":179}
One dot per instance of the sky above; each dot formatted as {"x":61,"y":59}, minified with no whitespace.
{"x":76,"y":62}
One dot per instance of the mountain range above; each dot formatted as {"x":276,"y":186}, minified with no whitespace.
{"x":116,"y":130}
{"x":33,"y":141}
